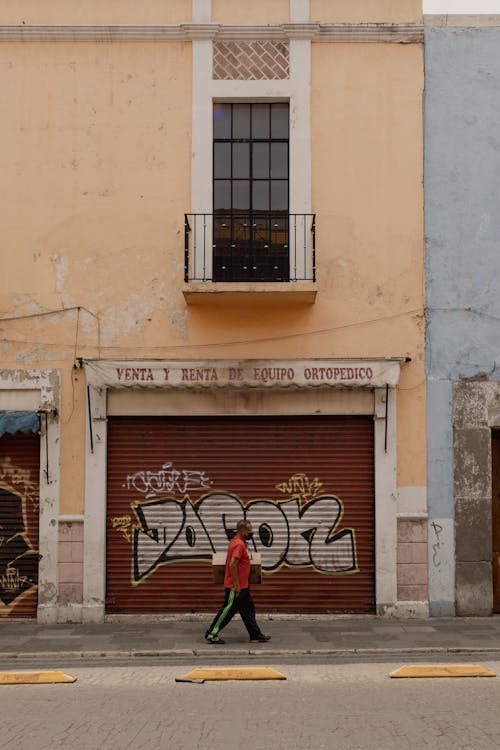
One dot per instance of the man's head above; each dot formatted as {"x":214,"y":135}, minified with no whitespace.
{"x":244,"y":529}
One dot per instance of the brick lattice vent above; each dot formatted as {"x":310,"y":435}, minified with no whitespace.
{"x":251,"y":61}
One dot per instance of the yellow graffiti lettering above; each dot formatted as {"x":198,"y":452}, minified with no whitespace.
{"x":299,"y":485}
{"x":18,"y":481}
{"x":124,"y":525}
{"x":11,"y":580}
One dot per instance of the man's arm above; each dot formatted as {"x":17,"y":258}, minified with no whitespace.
{"x":233,"y":572}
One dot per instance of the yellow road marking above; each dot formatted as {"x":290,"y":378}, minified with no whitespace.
{"x":234,"y":673}
{"x":442,"y":670}
{"x":34,"y":678}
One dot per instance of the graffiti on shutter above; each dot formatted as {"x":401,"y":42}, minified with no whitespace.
{"x":303,"y":529}
{"x":18,"y":558}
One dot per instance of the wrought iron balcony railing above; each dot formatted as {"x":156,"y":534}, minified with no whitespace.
{"x":251,"y":246}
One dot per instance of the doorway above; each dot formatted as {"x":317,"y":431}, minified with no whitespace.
{"x":495,"y":510}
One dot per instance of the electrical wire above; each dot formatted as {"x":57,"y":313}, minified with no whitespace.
{"x":56,"y":344}
{"x":237,"y":342}
{"x":49,"y":312}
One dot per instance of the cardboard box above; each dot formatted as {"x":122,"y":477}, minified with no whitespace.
{"x":219,"y":567}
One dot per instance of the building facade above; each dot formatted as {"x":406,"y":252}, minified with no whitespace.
{"x":212,"y":305}
{"x":462,"y":168}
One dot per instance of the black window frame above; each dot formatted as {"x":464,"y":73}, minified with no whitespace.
{"x":251,"y":244}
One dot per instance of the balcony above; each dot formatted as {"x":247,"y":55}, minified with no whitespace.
{"x":271,"y":255}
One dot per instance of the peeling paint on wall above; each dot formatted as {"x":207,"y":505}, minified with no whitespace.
{"x":462,"y":66}
{"x":178,"y":320}
{"x":60,"y":266}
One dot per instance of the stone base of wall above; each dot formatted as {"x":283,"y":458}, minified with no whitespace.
{"x":70,"y":571}
{"x":405,"y":610}
{"x":412,"y":572}
{"x":476,"y":411}
{"x":412,"y":561}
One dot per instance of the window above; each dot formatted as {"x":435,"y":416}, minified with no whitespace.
{"x":251,"y":192}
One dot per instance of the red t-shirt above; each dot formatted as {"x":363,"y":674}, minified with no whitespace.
{"x":237,"y":548}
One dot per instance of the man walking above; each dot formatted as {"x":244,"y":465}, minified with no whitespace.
{"x":237,"y":597}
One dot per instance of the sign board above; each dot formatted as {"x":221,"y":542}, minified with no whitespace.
{"x":248,"y":373}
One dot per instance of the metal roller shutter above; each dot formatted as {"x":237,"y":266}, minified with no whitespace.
{"x":177,"y":486}
{"x":19,"y":510}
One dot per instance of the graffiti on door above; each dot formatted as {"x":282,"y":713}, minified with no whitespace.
{"x":18,"y":481}
{"x":18,"y":559}
{"x":165,"y":480}
{"x":300,"y":530}
{"x":170,"y":530}
{"x":299,"y":485}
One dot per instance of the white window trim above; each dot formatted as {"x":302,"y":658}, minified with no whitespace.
{"x":296,"y":90}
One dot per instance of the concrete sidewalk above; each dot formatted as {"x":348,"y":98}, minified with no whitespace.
{"x":182,"y":636}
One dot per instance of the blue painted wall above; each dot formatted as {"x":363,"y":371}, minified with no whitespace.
{"x":462,"y":219}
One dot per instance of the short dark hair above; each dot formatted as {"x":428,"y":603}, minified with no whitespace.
{"x":241,"y":525}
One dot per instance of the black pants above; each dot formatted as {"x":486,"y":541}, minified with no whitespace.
{"x":243,"y":603}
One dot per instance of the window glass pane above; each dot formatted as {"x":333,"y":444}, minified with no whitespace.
{"x":241,"y":161}
{"x":260,"y":160}
{"x":260,"y":195}
{"x":222,"y":160}
{"x":222,"y":121}
{"x":260,"y":120}
{"x":279,"y":195}
{"x":241,"y":195}
{"x":241,"y":228}
{"x":279,"y":160}
{"x":241,"y":121}
{"x":279,"y":120}
{"x":222,"y":195}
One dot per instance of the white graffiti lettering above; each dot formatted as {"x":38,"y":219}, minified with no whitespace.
{"x":287,"y":533}
{"x":167,"y":480}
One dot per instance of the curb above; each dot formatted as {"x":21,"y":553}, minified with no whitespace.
{"x":190,"y":653}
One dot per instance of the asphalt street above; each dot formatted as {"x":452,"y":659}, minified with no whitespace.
{"x":343,"y":706}
{"x":337,"y":693}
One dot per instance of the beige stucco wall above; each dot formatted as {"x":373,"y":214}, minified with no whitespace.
{"x":223,"y":11}
{"x":95,"y":179}
{"x":262,"y":11}
{"x":367,"y":192}
{"x":94,"y":11}
{"x":366,"y":11}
